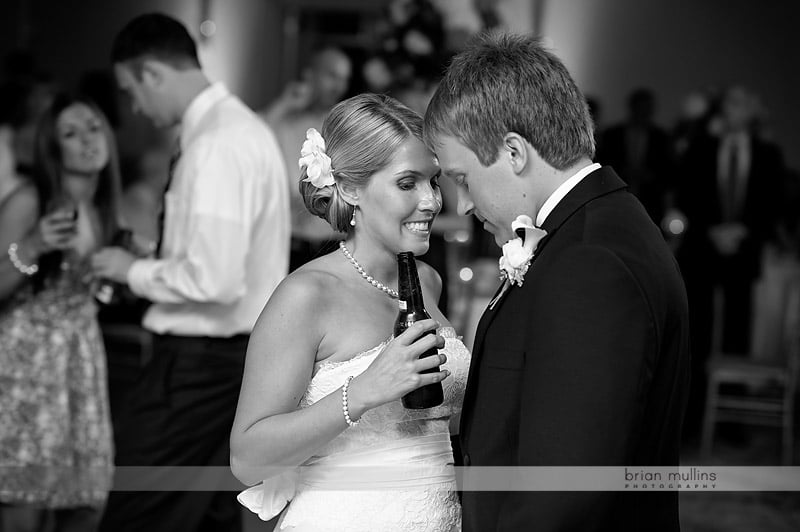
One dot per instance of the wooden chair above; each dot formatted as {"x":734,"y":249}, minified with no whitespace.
{"x":751,"y":391}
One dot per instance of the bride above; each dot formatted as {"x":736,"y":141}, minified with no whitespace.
{"x":324,"y":377}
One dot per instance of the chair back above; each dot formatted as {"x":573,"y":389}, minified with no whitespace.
{"x":775,"y":320}
{"x":791,"y":334}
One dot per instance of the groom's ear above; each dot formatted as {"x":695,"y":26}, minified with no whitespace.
{"x":515,"y":148}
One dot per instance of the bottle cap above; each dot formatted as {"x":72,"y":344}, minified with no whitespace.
{"x":105,"y":294}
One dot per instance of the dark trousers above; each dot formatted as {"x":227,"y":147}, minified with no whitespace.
{"x":180,"y":414}
{"x":734,"y":283}
{"x":737,"y":311}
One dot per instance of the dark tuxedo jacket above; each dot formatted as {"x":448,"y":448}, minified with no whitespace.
{"x":586,"y":364}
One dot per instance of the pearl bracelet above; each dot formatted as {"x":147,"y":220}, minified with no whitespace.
{"x":18,"y":264}
{"x":345,"y":410}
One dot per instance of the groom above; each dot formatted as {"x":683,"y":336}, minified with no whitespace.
{"x":586,"y":363}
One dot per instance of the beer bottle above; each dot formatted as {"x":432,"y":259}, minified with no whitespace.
{"x":412,"y":309}
{"x":108,"y":292}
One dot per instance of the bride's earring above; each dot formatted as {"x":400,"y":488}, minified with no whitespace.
{"x":353,"y":218}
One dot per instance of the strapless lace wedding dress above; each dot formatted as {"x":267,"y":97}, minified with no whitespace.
{"x":392,"y":472}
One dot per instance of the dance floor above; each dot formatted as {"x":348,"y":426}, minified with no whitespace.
{"x":741,"y":511}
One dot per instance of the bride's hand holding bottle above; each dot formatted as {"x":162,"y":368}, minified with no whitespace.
{"x":398,"y":369}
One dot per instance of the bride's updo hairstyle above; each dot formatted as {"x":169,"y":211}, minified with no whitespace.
{"x":361,"y":135}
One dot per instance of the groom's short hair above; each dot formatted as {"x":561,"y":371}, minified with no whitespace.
{"x":504,"y":82}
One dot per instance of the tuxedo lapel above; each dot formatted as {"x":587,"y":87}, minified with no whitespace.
{"x":488,"y":314}
{"x":599,"y":183}
{"x":477,"y":351}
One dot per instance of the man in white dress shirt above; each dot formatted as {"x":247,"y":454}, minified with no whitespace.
{"x":224,"y":247}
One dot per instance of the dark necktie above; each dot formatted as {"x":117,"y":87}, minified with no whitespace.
{"x":731,"y":192}
{"x":173,"y":162}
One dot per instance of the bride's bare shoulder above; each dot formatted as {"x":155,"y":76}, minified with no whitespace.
{"x":304,"y":299}
{"x":316,"y":280}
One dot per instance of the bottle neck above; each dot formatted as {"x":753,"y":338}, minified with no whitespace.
{"x":409,"y":288}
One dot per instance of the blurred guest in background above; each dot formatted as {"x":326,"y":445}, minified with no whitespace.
{"x":787,"y":237}
{"x":141,"y":199}
{"x":731,"y":181}
{"x":640,"y":151}
{"x":696,"y":111}
{"x":224,"y":247}
{"x":27,"y":92}
{"x":9,"y":178}
{"x":55,"y":429}
{"x":303,"y":105}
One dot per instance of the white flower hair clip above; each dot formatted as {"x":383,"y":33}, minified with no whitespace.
{"x":518,"y":253}
{"x":314,"y":159}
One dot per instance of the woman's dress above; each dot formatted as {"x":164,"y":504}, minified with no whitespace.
{"x":391,"y":472}
{"x":56,"y":447}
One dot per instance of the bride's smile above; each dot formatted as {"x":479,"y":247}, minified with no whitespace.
{"x":399,"y":204}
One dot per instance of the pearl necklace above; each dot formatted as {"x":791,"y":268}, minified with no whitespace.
{"x":377,"y":284}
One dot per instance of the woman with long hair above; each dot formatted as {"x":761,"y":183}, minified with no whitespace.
{"x":56,"y":448}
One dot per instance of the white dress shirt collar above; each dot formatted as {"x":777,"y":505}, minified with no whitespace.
{"x":559,"y":193}
{"x":198,"y":108}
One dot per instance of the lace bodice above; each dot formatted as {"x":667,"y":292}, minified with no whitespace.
{"x":407,"y":452}
{"x":392,"y":421}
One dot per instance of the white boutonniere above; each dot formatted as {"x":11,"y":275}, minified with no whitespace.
{"x":518,"y":253}
{"x":314,"y":159}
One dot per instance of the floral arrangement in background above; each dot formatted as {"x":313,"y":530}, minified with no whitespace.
{"x":411,"y":45}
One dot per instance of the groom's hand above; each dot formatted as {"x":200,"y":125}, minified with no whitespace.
{"x":398,"y":369}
